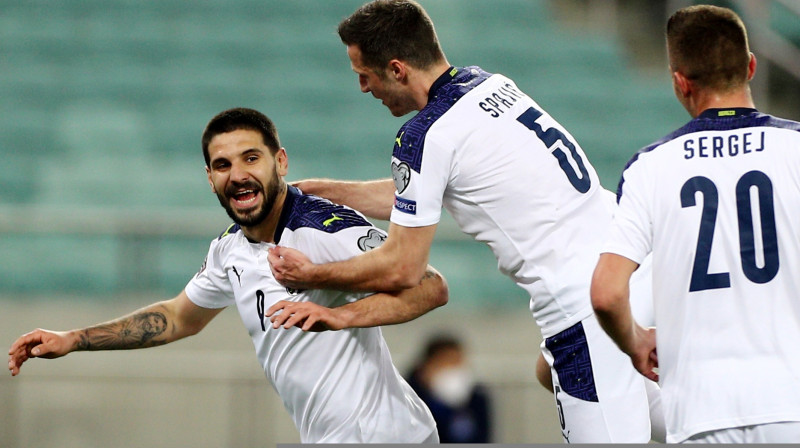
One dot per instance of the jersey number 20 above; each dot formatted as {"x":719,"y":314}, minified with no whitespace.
{"x":550,"y":137}
{"x":701,"y":279}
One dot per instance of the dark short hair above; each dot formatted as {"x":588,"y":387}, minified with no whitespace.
{"x":440,"y":343}
{"x":708,"y":45}
{"x":392,"y":29}
{"x":241,"y":118}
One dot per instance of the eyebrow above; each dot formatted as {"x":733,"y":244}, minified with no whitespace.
{"x":244,"y":153}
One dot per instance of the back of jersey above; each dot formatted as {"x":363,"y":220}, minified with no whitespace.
{"x":720,"y":201}
{"x":512,"y":177}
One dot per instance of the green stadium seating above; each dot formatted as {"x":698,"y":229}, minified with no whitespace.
{"x":104,"y":102}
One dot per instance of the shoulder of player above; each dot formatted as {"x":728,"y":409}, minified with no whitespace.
{"x":415,"y":133}
{"x":315,"y":213}
{"x":232,"y":229}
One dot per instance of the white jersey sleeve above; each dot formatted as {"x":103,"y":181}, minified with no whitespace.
{"x":211,"y":287}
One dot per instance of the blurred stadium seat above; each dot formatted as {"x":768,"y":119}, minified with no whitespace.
{"x":104,"y":103}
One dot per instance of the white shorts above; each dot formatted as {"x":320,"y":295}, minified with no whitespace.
{"x":783,"y":432}
{"x":600,"y":397}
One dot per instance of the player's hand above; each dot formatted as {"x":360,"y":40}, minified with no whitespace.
{"x":38,"y":344}
{"x":290,"y":267}
{"x":307,"y":316}
{"x":644,"y":356}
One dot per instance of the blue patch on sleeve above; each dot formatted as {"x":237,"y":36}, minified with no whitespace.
{"x":405,"y":205}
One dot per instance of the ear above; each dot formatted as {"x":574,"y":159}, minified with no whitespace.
{"x":397,"y":70}
{"x":751,"y":67}
{"x":682,"y":84}
{"x":210,"y":182}
{"x":282,"y":162}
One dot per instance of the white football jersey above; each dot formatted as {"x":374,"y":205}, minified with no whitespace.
{"x":511,"y":177}
{"x":338,"y":386}
{"x":718,"y":204}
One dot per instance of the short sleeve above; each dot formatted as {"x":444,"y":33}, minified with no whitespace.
{"x":631,"y":233}
{"x":210,"y":287}
{"x":419,"y":192}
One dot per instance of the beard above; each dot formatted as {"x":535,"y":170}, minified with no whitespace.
{"x":255,"y":215}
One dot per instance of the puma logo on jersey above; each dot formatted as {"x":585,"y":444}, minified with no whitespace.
{"x":330,"y":220}
{"x":397,"y":140}
{"x":238,"y":275}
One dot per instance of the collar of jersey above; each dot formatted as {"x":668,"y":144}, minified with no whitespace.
{"x":728,"y":112}
{"x":292,"y":193}
{"x":445,"y":78}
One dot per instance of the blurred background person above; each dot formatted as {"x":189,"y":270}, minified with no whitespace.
{"x":444,"y":380}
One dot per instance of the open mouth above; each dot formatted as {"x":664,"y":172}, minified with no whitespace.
{"x":244,"y":198}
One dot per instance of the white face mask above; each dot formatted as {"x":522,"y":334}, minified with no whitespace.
{"x":453,"y":385}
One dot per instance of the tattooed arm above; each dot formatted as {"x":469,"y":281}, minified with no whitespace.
{"x":156,"y":324}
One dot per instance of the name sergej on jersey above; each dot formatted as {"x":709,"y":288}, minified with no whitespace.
{"x":723,"y":146}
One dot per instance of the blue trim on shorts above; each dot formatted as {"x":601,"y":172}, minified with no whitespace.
{"x":572,"y":363}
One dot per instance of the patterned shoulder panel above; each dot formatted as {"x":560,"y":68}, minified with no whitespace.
{"x":445,"y":93}
{"x":744,"y":118}
{"x":320,"y":214}
{"x":233,"y":228}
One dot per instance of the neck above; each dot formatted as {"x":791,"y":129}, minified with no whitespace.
{"x":265,"y":230}
{"x":739,"y":98}
{"x":422,"y":81}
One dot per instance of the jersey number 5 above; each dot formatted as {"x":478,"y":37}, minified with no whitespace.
{"x":552,"y":136}
{"x":701,"y":279}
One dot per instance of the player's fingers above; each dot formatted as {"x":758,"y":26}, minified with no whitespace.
{"x":15,"y":361}
{"x":25,"y":340}
{"x":277,"y":307}
{"x":275,"y":254}
{"x":278,"y":319}
{"x":295,"y":319}
{"x":309,"y":323}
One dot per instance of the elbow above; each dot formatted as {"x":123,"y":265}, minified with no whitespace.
{"x":442,"y":295}
{"x":604,"y":301}
{"x":405,"y":277}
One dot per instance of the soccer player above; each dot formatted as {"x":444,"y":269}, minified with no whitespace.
{"x":717,"y":203}
{"x":512,"y":177}
{"x":338,"y":386}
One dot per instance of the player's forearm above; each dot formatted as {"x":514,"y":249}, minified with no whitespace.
{"x":376,"y":270}
{"x":610,"y":294}
{"x":151,"y":326}
{"x":396,"y":308}
{"x":619,"y":325}
{"x":372,"y":198}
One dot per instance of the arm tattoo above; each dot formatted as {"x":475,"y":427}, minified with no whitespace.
{"x":139,"y":330}
{"x":428,"y":274}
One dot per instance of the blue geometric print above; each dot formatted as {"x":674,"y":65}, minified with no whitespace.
{"x":301,"y":210}
{"x":572,"y":362}
{"x":444,"y":93}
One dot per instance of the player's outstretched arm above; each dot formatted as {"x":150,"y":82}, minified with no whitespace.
{"x":375,"y":310}
{"x":399,"y":263}
{"x":157,"y":324}
{"x":611,"y":301}
{"x":373,"y":198}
